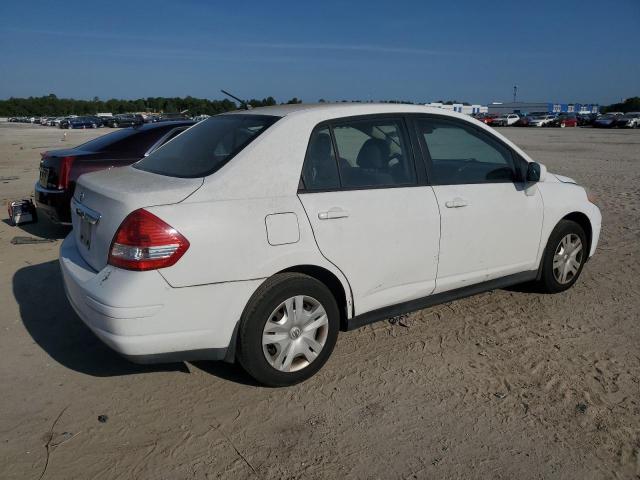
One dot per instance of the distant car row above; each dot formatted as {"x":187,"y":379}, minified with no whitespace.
{"x":92,"y":121}
{"x":542,"y":119}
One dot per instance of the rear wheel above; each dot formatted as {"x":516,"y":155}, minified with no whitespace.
{"x":288,"y":330}
{"x":564,"y":257}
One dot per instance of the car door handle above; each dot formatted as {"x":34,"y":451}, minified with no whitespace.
{"x":332,"y":213}
{"x":456,"y":203}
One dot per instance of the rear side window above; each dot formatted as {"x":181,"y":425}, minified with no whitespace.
{"x":320,"y":170}
{"x":461,"y":154}
{"x":368,"y":154}
{"x":207,"y":146}
{"x":373,"y":153}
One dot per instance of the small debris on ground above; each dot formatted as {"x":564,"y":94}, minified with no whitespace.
{"x":500,"y":395}
{"x":30,"y":240}
{"x":581,"y":408}
{"x":103,"y":418}
{"x":400,"y":320}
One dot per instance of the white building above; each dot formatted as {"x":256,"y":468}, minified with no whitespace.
{"x":458,"y":107}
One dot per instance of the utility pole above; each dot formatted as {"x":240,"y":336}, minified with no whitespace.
{"x":515,"y":93}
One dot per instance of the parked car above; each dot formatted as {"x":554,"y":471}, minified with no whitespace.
{"x":607,"y":120}
{"x":564,"y":120}
{"x":541,"y":120}
{"x":124,"y":120}
{"x":505,"y":120}
{"x":486,"y":118}
{"x":628,"y":120}
{"x":168,"y":117}
{"x":79,"y":122}
{"x":523,"y":121}
{"x":256,"y":235}
{"x":586,"y":119}
{"x":60,"y":169}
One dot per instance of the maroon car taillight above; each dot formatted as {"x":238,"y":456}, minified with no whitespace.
{"x":144,"y":242}
{"x":64,"y":171}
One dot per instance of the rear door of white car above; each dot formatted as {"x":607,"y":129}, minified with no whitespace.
{"x":491,"y":223}
{"x":372,"y":213}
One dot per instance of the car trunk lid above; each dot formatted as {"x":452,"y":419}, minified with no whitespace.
{"x":51,"y":166}
{"x":103,"y":199}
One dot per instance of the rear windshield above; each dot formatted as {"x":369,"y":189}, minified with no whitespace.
{"x":105,"y":141}
{"x":207,"y":146}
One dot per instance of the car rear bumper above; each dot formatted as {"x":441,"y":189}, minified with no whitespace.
{"x":143,"y":318}
{"x":56,"y":204}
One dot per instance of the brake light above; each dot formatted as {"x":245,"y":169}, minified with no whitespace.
{"x":144,"y":242}
{"x":65,"y":170}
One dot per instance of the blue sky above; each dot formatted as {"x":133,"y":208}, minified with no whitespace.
{"x":475,"y":51}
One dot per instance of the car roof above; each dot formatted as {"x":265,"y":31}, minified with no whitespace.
{"x":171,"y":123}
{"x":344,"y":109}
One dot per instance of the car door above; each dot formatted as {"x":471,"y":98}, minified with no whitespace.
{"x":371,"y":212}
{"x":491,"y":220}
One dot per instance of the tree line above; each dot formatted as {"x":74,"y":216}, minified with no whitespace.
{"x":629,"y":105}
{"x":52,"y":106}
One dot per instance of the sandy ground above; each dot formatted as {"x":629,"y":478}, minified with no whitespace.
{"x":504,"y":385}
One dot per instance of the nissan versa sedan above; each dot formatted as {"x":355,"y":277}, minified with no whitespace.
{"x":257,"y":235}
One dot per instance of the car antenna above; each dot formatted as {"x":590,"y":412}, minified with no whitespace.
{"x":244,"y":104}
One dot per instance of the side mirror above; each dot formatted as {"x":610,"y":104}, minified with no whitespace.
{"x":533,"y":172}
{"x":536,"y":172}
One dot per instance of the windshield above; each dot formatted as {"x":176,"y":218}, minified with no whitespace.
{"x":207,"y":146}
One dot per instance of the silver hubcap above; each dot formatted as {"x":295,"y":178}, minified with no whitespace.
{"x":295,"y":333}
{"x":567,"y":259}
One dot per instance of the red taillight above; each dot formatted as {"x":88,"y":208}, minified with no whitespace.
{"x":65,"y":169}
{"x":144,"y":242}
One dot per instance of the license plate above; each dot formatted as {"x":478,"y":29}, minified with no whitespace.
{"x":44,"y":176}
{"x":85,"y":233}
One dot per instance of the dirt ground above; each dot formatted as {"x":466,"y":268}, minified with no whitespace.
{"x":504,"y":385}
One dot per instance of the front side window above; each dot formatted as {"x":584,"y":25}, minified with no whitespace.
{"x":460,"y":154}
{"x":207,"y":146}
{"x":373,"y":153}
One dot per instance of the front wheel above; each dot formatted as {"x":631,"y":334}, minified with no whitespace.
{"x":288,"y":330}
{"x":564,"y":257}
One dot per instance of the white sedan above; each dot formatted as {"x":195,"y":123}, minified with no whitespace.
{"x":506,"y":120}
{"x":541,"y":120}
{"x":257,"y":235}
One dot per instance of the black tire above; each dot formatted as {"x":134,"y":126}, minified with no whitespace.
{"x":548,"y":281}
{"x":264,"y":301}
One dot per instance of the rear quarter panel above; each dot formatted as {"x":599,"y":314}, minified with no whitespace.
{"x":229,"y":242}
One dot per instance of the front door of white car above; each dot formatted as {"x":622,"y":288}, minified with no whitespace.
{"x":491,"y":224}
{"x":371,"y":213}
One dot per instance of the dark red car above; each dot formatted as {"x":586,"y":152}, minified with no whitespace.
{"x":59,"y":169}
{"x":564,"y":120}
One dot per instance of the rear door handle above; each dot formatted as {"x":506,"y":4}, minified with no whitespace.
{"x":456,"y":203}
{"x":332,"y":213}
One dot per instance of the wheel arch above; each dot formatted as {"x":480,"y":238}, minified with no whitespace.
{"x":582,"y":220}
{"x":333,"y":283}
